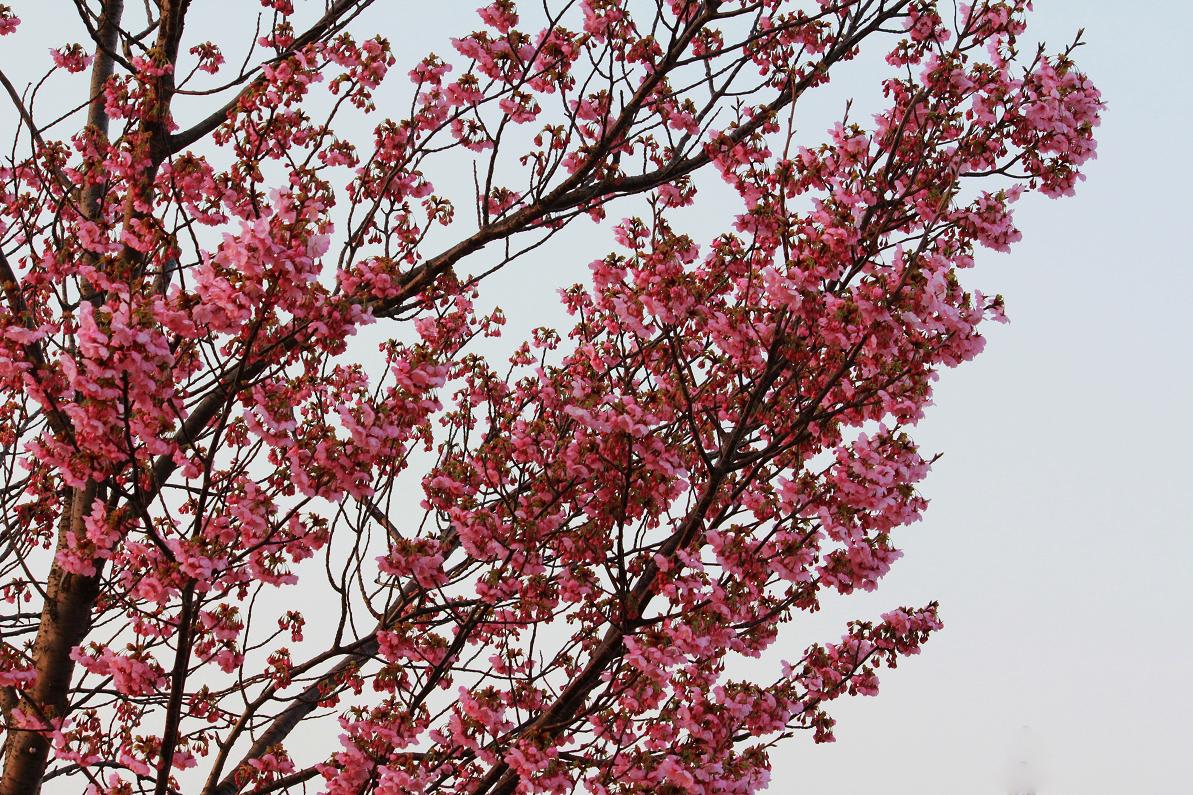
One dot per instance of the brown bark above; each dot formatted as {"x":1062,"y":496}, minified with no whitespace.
{"x":65,"y":622}
{"x":66,"y":615}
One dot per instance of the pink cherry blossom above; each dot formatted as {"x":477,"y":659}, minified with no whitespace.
{"x":269,"y":477}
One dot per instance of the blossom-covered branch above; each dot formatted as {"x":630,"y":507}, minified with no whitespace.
{"x":230,"y":525}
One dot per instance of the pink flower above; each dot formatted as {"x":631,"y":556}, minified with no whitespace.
{"x":72,"y":58}
{"x":8,"y":20}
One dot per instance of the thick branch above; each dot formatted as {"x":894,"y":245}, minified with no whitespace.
{"x":101,"y":71}
{"x":65,"y":622}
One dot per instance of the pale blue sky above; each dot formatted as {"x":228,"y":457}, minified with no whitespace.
{"x":1059,"y":539}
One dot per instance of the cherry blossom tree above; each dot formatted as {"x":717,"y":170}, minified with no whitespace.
{"x":274,"y":516}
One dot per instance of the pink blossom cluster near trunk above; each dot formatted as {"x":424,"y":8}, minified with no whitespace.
{"x":231,"y":533}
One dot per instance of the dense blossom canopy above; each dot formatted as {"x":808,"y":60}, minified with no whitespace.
{"x":228,"y":525}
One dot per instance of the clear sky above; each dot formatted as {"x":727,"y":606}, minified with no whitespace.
{"x":1059,"y":539}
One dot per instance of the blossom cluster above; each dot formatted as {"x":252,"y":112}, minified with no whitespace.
{"x":262,"y":472}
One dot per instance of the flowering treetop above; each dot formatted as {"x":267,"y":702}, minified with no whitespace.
{"x":604,"y":521}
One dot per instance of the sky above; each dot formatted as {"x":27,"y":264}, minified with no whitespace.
{"x":1059,"y":539}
